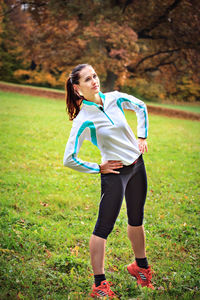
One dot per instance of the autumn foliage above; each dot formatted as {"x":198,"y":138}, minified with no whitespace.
{"x":148,"y":47}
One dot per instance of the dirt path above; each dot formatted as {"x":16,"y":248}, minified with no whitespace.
{"x":169,"y":112}
{"x":31,"y":91}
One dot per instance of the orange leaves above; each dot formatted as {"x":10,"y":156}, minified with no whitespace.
{"x":36,"y":77}
{"x":117,"y":53}
{"x":68,"y":25}
{"x":114,"y":44}
{"x":21,"y":73}
{"x":81,"y":43}
{"x":118,"y":36}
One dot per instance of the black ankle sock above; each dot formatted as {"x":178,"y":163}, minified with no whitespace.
{"x":142,"y":262}
{"x":99,"y":278}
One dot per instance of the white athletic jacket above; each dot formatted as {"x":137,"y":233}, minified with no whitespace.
{"x":106,"y":127}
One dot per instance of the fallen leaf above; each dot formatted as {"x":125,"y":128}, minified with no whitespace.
{"x":44,"y":204}
{"x":19,"y":295}
{"x":48,"y":253}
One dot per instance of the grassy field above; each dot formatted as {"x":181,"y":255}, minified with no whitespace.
{"x":48,"y":212}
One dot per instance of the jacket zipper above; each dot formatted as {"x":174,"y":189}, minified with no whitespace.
{"x":101,"y":108}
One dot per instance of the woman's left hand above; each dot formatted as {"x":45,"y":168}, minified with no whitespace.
{"x":142,"y":144}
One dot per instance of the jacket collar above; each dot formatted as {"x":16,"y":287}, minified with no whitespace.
{"x":93,"y":103}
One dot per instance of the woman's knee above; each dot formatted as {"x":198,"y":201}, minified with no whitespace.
{"x":103,"y":230}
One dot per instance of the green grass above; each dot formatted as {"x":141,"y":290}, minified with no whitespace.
{"x":48,"y":212}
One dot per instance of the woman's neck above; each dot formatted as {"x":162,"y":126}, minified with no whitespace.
{"x":96,"y":99}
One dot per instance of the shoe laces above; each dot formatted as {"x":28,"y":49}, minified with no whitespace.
{"x":149,"y":276}
{"x":107,"y":285}
{"x":149,"y":273}
{"x":109,"y":282}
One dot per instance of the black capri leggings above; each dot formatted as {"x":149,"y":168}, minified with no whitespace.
{"x":131,"y":182}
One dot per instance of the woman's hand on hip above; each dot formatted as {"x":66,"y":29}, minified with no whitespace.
{"x":142,"y":144}
{"x":109,"y":166}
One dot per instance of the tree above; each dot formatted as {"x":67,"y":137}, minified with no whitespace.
{"x":9,"y":48}
{"x":124,"y":40}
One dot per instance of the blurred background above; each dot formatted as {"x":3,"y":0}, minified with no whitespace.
{"x":148,"y":48}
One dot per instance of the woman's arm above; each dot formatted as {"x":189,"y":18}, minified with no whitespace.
{"x":79,"y":132}
{"x":125,"y":101}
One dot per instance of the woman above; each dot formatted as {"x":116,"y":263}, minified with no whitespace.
{"x":100,"y":118}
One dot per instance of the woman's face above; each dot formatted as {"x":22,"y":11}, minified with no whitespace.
{"x":89,"y":84}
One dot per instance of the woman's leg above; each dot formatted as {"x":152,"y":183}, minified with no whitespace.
{"x":112,"y":192}
{"x":135,"y":197}
{"x":137,"y":238}
{"x":135,"y":194}
{"x":97,"y":254}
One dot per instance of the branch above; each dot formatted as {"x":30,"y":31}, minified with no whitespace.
{"x":144,"y":32}
{"x":155,"y":54}
{"x":159,"y":65}
{"x":10,"y":10}
{"x":128,"y":2}
{"x":152,"y":37}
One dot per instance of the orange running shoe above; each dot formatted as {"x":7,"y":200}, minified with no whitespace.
{"x":103,"y":290}
{"x":143,"y":275}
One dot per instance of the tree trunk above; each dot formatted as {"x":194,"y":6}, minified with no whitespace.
{"x":109,"y":84}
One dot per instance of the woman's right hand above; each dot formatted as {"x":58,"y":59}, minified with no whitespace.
{"x":109,"y":166}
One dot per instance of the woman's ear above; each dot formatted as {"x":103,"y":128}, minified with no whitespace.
{"x":77,"y":90}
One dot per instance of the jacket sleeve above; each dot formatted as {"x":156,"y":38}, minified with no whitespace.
{"x":78,"y":134}
{"x":125,"y":101}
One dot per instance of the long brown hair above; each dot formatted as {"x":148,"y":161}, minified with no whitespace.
{"x":73,"y":99}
